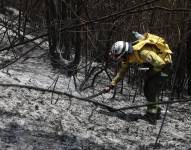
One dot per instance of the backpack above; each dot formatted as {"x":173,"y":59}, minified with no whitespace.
{"x":152,"y":39}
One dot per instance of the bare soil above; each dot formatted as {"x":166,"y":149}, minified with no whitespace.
{"x":36,"y":120}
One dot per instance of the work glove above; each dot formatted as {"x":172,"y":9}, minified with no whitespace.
{"x":108,"y":88}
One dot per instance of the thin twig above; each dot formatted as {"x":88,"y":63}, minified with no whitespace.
{"x":33,"y":48}
{"x":94,"y":102}
{"x":62,"y":93}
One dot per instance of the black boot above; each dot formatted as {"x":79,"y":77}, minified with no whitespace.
{"x":158,"y":115}
{"x":151,"y":118}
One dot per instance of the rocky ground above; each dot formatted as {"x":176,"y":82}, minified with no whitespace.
{"x":35,"y":120}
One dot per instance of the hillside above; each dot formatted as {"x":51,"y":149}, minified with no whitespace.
{"x":54,"y":65}
{"x":30,"y":119}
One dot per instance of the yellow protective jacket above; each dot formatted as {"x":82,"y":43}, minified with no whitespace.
{"x":151,"y":49}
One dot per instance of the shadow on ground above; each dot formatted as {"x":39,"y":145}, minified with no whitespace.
{"x":15,"y":136}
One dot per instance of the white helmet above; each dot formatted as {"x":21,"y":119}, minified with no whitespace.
{"x":120,"y":48}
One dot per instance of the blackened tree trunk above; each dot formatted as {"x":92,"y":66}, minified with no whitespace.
{"x":2,"y":6}
{"x":188,"y":52}
{"x":62,"y":43}
{"x":76,"y":40}
{"x":189,"y":60}
{"x":50,"y":15}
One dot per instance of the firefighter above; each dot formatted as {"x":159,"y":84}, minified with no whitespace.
{"x":148,"y":49}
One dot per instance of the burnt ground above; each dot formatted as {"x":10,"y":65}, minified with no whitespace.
{"x":36,"y":120}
